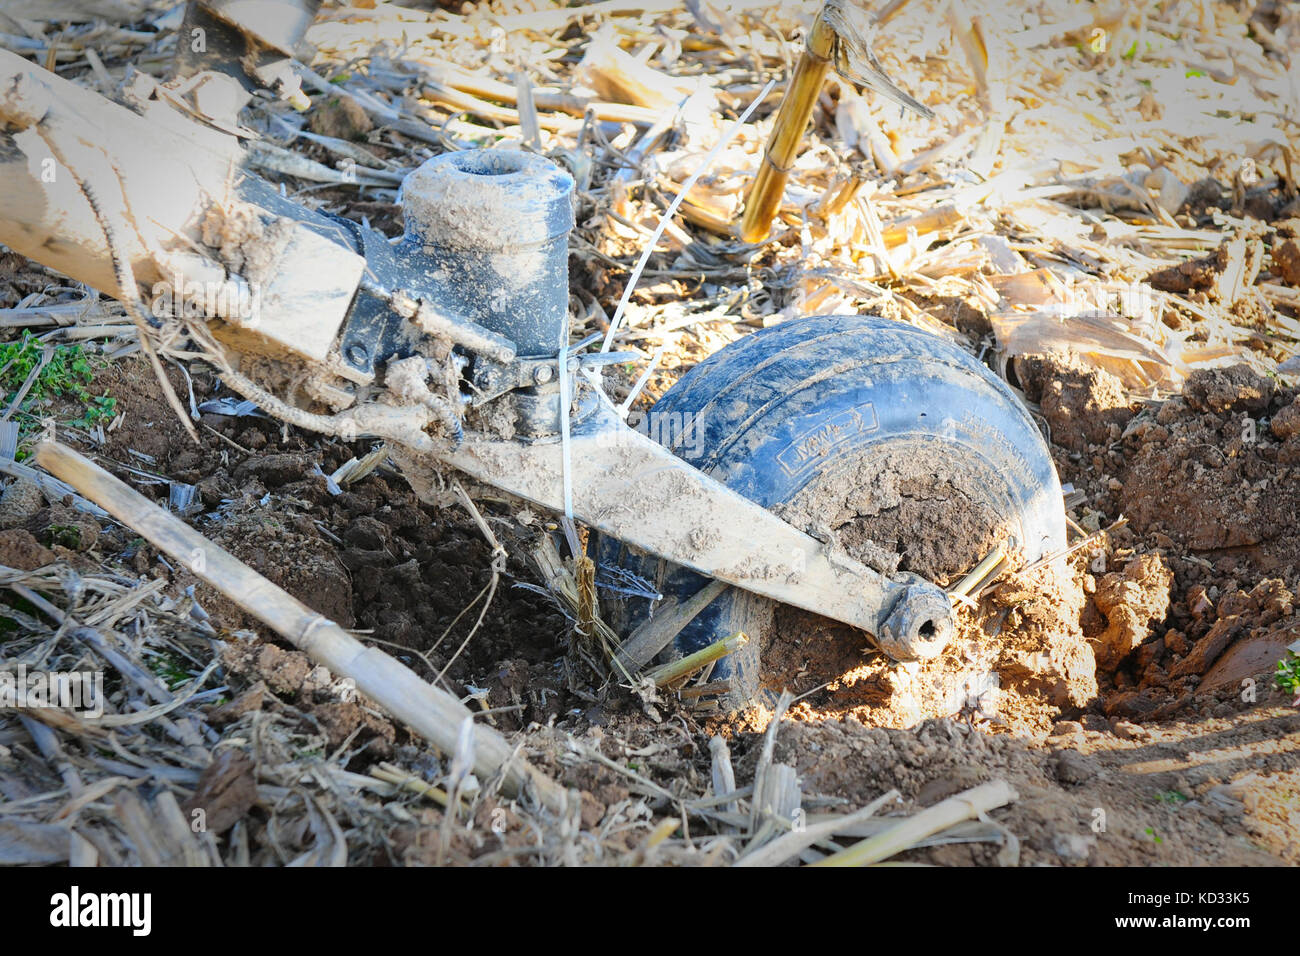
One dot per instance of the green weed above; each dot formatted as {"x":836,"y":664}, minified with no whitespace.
{"x":1287,"y":675}
{"x":67,"y":374}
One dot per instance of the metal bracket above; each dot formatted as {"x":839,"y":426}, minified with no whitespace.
{"x":491,"y":379}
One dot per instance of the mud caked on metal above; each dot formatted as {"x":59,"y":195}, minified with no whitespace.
{"x":494,"y":226}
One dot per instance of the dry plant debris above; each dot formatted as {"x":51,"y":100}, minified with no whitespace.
{"x":1103,"y":206}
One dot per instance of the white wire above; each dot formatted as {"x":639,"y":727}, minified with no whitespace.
{"x":566,"y":476}
{"x":645,"y":377}
{"x":566,"y":455}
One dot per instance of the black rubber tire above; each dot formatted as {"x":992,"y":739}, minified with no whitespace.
{"x":791,"y":404}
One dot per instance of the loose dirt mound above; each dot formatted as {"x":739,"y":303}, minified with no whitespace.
{"x":1017,"y":662}
{"x":1083,"y":405}
{"x":1208,"y":472}
{"x":1211,"y":483}
{"x":371,"y":556}
{"x":1182,"y":612}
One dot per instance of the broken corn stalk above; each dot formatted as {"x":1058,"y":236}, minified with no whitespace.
{"x":688,"y":665}
{"x":764,"y":197}
{"x":964,"y":806}
{"x":978,"y":573}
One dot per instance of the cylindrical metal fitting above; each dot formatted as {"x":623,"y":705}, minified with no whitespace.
{"x":493,"y":226}
{"x":920,"y":625}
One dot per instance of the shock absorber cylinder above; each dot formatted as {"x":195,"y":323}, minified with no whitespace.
{"x":493,"y":226}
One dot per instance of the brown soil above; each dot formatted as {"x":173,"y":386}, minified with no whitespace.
{"x":1199,"y":274}
{"x":287,"y":681}
{"x":18,"y":549}
{"x":1083,"y":405}
{"x":341,"y":117}
{"x":372,"y":557}
{"x":1087,"y":796}
{"x":1286,"y":260}
{"x":1016,"y":663}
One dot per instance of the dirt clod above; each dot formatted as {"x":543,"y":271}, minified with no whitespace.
{"x":21,"y":500}
{"x":226,"y":791}
{"x":1285,"y":425}
{"x":61,"y":526}
{"x":18,"y":549}
{"x":340,"y":117}
{"x":1084,"y":405}
{"x":1132,"y":601}
{"x":1238,"y":388}
{"x":1286,"y":260}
